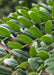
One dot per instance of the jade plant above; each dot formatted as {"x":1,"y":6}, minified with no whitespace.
{"x":28,"y":35}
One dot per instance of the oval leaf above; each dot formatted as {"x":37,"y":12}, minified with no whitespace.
{"x":4,"y":32}
{"x":33,"y":51}
{"x":14,"y":26}
{"x":50,"y":69}
{"x":48,"y":27}
{"x":47,"y":39}
{"x":50,"y":61}
{"x":24,"y":21}
{"x":14,"y":45}
{"x":25,"y":39}
{"x":20,"y":54}
{"x":43,"y":55}
{"x":36,"y":32}
{"x":34,"y":16}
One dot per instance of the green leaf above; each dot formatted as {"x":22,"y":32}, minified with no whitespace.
{"x":3,"y":52}
{"x":21,"y":72}
{"x":25,"y":22}
{"x":1,"y":22}
{"x":25,"y":39}
{"x":15,"y":15}
{"x":43,"y":55}
{"x":34,"y":10}
{"x":11,"y":62}
{"x":24,"y":13}
{"x":48,"y":27}
{"x":44,"y":16}
{"x":34,"y":5}
{"x":8,"y":55}
{"x":53,"y":11}
{"x":41,"y":67}
{"x":51,"y":2}
{"x":21,"y":54}
{"x":33,"y":51}
{"x":14,"y":45}
{"x":33,"y":73}
{"x":36,"y":32}
{"x":33,"y":63}
{"x":18,"y":7}
{"x":21,"y":7}
{"x":34,"y":16}
{"x":42,"y":49}
{"x":42,"y":5}
{"x":50,"y":69}
{"x":14,"y":26}
{"x":4,"y":32}
{"x":50,"y":61}
{"x":47,"y":39}
{"x":5,"y":71}
{"x":6,"y":18}
{"x":22,"y":64}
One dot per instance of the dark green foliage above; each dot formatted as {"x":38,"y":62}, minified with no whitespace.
{"x":29,"y":35}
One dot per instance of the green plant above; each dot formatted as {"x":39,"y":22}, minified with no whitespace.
{"x":29,"y":28}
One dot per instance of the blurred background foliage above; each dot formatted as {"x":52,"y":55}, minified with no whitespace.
{"x":7,"y":6}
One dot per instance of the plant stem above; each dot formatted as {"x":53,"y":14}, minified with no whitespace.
{"x":45,"y":22}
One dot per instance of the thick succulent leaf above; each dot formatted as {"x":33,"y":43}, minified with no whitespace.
{"x":25,"y":39}
{"x":3,"y":52}
{"x":34,"y":10}
{"x":25,"y":13}
{"x":51,"y":2}
{"x":41,"y":67}
{"x":5,"y":71}
{"x":4,"y":32}
{"x":33,"y":63}
{"x":21,"y":7}
{"x":1,"y":22}
{"x":47,"y":39}
{"x":44,"y":16}
{"x":14,"y":26}
{"x":50,"y":69}
{"x":42,"y":49}
{"x":11,"y":62}
{"x":20,"y":54}
{"x":18,"y":23}
{"x":32,"y":51}
{"x":34,"y":5}
{"x":34,"y":16}
{"x":43,"y":55}
{"x":15,"y":15}
{"x":49,"y":61}
{"x":22,"y":64}
{"x":8,"y":55}
{"x":27,"y":32}
{"x":36,"y":32}
{"x":42,"y":5}
{"x":33,"y":73}
{"x":26,"y":23}
{"x":21,"y":72}
{"x":14,"y":45}
{"x":7,"y":27}
{"x":18,"y":7}
{"x":48,"y":27}
{"x":6,"y":18}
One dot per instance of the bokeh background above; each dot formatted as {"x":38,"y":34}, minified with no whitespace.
{"x":7,"y":6}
